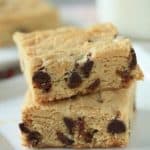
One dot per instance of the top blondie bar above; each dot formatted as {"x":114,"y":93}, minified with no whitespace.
{"x":70,"y":61}
{"x":25,"y":16}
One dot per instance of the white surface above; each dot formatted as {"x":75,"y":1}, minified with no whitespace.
{"x":11,"y":98}
{"x":131,"y":16}
{"x":8,"y":57}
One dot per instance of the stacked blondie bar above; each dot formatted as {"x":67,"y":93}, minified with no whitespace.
{"x":81,"y":87}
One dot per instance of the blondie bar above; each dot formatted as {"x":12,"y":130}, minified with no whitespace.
{"x":70,"y":61}
{"x":24,"y":16}
{"x":96,"y":120}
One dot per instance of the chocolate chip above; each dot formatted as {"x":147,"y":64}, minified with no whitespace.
{"x":132,"y":59}
{"x":126,"y":77}
{"x":74,"y":80}
{"x":34,"y":138}
{"x":64,"y":139}
{"x":87,"y":67}
{"x":94,"y":85}
{"x":70,"y":123}
{"x":126,"y":74}
{"x":116,"y":126}
{"x":81,"y":125}
{"x":42,"y":80}
{"x":123,"y":74}
{"x":23,"y":128}
{"x":88,"y":136}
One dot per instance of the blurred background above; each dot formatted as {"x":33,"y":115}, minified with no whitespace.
{"x":77,"y":12}
{"x":132,"y":17}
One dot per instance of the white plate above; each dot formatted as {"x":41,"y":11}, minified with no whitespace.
{"x":11,"y":98}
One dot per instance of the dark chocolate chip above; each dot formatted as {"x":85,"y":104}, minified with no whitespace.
{"x":81,"y":125}
{"x":87,"y":67}
{"x":116,"y":126}
{"x":70,"y":123}
{"x":64,"y":139}
{"x":23,"y":128}
{"x":74,"y":80}
{"x":34,"y":138}
{"x":42,"y":80}
{"x":133,"y":60}
{"x":94,"y":85}
{"x":125,"y":75}
{"x":88,"y":136}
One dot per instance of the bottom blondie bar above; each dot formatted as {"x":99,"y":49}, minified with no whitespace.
{"x":80,"y":122}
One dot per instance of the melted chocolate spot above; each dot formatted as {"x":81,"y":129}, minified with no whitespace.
{"x":88,"y":136}
{"x":23,"y":128}
{"x":74,"y":80}
{"x":70,"y":123}
{"x":64,"y":139}
{"x":34,"y":138}
{"x":42,"y":80}
{"x":94,"y":85}
{"x":126,"y":77}
{"x":133,"y":60}
{"x":87,"y":68}
{"x":81,"y":125}
{"x":116,"y":126}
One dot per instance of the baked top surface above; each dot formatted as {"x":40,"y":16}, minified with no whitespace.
{"x":70,"y":41}
{"x":67,"y":44}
